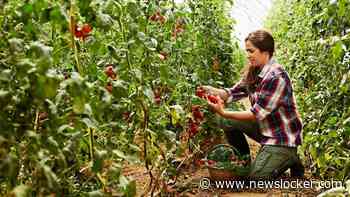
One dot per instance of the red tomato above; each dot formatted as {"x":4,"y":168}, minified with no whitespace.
{"x":110,"y":72}
{"x":213,"y":99}
{"x":157,"y":100}
{"x":78,"y":33}
{"x":82,"y":32}
{"x":193,"y":128}
{"x":86,"y":29}
{"x":216,"y":64}
{"x":233,"y":158}
{"x":211,"y":162}
{"x":162,"y":56}
{"x":198,"y":115}
{"x":109,"y":87}
{"x":200,"y":92}
{"x":200,"y":162}
{"x":126,"y":115}
{"x":158,"y":17}
{"x":153,"y":17}
{"x":162,"y":19}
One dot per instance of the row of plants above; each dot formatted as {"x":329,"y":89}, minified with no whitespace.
{"x":316,"y":50}
{"x":88,"y":86}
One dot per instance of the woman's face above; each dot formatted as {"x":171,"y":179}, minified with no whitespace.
{"x":256,"y":57}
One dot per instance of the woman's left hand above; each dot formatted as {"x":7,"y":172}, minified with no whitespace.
{"x":217,"y":104}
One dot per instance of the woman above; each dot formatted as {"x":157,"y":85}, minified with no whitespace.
{"x":272,"y":120}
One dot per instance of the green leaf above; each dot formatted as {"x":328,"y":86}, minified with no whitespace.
{"x":100,"y":155}
{"x":137,"y":74}
{"x":88,"y":123}
{"x":3,"y":93}
{"x":28,"y":8}
{"x":134,"y":147}
{"x":332,"y":134}
{"x":169,"y":134}
{"x":342,"y":8}
{"x":5,"y":75}
{"x":40,"y":50}
{"x":51,"y":178}
{"x":148,"y":92}
{"x":141,"y":36}
{"x":346,"y":121}
{"x":120,"y":89}
{"x":113,"y":7}
{"x":21,"y":191}
{"x":104,"y":20}
{"x":52,"y":142}
{"x":78,"y":105}
{"x":337,"y":51}
{"x":119,"y":153}
{"x":52,"y":106}
{"x":176,"y":112}
{"x":133,"y":10}
{"x":164,"y":73}
{"x":151,"y":44}
{"x":64,"y":127}
{"x":16,"y":45}
{"x":128,"y":187}
{"x":58,"y":16}
{"x":96,"y":193}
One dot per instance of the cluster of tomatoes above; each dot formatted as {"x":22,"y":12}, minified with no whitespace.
{"x":82,"y":32}
{"x":157,"y":96}
{"x":109,"y":71}
{"x":235,"y":160}
{"x":201,"y":162}
{"x":179,"y":28}
{"x":216,"y":63}
{"x":201,"y":93}
{"x":197,"y":115}
{"x":157,"y":17}
{"x":163,"y":55}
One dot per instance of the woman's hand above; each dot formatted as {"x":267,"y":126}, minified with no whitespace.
{"x":217,"y":104}
{"x":215,"y":91}
{"x":208,"y":89}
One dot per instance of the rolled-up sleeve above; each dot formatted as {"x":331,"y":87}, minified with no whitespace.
{"x":269,"y":97}
{"x":237,"y":92}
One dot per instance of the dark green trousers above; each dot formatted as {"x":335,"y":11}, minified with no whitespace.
{"x":271,"y":160}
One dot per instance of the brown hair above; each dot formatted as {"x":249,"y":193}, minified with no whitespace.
{"x":262,"y":40}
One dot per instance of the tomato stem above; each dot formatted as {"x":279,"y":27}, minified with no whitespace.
{"x":91,"y":143}
{"x":72,"y":30}
{"x":36,"y":123}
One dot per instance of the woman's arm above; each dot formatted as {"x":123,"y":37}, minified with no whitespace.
{"x":237,"y":92}
{"x":216,"y":91}
{"x":238,"y":115}
{"x":219,"y":108}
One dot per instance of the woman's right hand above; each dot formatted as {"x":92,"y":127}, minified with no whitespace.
{"x":214,"y":91}
{"x":208,"y":89}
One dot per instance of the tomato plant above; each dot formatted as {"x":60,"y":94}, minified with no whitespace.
{"x":87,"y":86}
{"x":315,"y":52}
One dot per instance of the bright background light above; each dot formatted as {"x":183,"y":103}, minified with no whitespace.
{"x":249,"y":16}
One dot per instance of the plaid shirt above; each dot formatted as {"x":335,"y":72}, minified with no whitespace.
{"x":274,"y":106}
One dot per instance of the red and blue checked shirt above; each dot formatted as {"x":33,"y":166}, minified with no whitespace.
{"x":274,"y":106}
